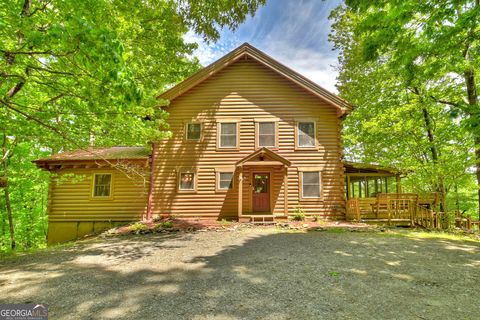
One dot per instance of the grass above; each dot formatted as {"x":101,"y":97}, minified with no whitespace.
{"x":8,"y":255}
{"x":443,"y":235}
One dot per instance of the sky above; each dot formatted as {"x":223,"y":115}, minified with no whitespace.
{"x":294,"y":32}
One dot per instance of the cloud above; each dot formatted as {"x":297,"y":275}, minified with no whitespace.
{"x":294,"y":32}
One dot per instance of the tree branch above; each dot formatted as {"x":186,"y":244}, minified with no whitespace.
{"x":12,"y":92}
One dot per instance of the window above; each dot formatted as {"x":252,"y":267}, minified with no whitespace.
{"x":225,"y":180}
{"x":194,"y":131}
{"x":266,"y":134}
{"x":187,"y":181}
{"x":102,"y":185}
{"x":306,"y":134}
{"x":228,"y":135}
{"x":311,"y":184}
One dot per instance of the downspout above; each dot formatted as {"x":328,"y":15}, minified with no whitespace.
{"x":150,"y":189}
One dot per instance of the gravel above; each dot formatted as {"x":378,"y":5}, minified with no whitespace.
{"x":250,"y":273}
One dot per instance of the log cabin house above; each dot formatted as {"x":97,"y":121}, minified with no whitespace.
{"x":251,"y":139}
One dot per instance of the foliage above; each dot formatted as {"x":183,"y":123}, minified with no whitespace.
{"x":77,"y":73}
{"x":165,"y":225}
{"x":29,"y":200}
{"x":298,"y":214}
{"x":137,"y":227}
{"x":409,"y":68}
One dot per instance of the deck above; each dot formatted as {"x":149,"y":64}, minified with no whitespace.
{"x":397,"y":209}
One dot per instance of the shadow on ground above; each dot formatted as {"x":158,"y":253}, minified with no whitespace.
{"x":250,"y":274}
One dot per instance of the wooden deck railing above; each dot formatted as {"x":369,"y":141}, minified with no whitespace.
{"x":409,"y":208}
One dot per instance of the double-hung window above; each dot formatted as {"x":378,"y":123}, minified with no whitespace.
{"x":193,"y":131}
{"x":102,"y":185}
{"x":187,"y":181}
{"x":228,"y":135}
{"x":225,"y":180}
{"x":306,"y":134}
{"x":266,"y":134}
{"x":311,"y":184}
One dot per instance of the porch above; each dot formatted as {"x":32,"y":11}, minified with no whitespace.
{"x":374,"y":195}
{"x":262,"y":179}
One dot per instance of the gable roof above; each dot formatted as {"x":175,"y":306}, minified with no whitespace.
{"x":264,"y":152}
{"x":112,"y":153}
{"x":257,"y":55}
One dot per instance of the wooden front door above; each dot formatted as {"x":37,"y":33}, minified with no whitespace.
{"x":261,"y":192}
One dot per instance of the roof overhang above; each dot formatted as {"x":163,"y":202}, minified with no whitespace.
{"x":357,"y":169}
{"x":246,"y":50}
{"x":263,"y":157}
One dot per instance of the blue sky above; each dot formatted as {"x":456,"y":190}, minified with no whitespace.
{"x":294,"y":32}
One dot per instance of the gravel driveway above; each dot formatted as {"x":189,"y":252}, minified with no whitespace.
{"x":257,"y":273}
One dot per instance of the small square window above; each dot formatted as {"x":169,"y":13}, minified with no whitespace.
{"x":266,"y":134}
{"x":225,"y":180}
{"x":228,"y":135}
{"x":102,"y":185}
{"x":306,"y":134}
{"x":187,"y":181}
{"x":194,"y":131}
{"x":311,"y":184}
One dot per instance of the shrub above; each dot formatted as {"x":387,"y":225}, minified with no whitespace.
{"x":298,"y":214}
{"x":167,"y":224}
{"x":137,"y":226}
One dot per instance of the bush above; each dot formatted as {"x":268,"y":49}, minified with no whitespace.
{"x":137,"y":226}
{"x":299,"y":214}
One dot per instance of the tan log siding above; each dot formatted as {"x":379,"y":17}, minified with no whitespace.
{"x":247,"y":91}
{"x":70,"y":199}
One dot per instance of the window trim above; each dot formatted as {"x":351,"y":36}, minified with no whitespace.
{"x":237,"y":130}
{"x":320,"y":185}
{"x":218,"y":171}
{"x":297,"y":139}
{"x":186,"y":131}
{"x":257,"y":133}
{"x":195,"y":180}
{"x":92,"y":193}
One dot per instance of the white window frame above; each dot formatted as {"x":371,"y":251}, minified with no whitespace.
{"x":186,"y":130}
{"x":257,"y":133}
{"x":110,"y":196}
{"x":301,"y":171}
{"x":297,"y":135}
{"x":219,"y":135}
{"x":218,"y":174}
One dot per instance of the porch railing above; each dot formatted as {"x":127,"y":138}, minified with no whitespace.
{"x":409,"y":208}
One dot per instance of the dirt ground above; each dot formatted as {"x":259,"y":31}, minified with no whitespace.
{"x":251,"y":273}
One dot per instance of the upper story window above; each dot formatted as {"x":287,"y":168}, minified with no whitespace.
{"x":266,"y":134}
{"x":228,"y":135}
{"x":306,"y":134}
{"x":102,"y":185}
{"x":193,"y":131}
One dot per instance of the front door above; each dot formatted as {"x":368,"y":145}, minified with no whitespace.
{"x":261,"y":192}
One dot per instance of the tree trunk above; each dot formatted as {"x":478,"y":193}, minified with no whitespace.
{"x":440,"y":185}
{"x":473,"y":103}
{"x":6,"y":191}
{"x":10,"y":216}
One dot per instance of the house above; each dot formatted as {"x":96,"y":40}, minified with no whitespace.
{"x":250,"y":138}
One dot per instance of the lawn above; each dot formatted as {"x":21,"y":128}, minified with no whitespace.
{"x":252,"y":273}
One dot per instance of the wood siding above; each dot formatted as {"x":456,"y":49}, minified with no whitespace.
{"x":71,"y":196}
{"x":247,"y":91}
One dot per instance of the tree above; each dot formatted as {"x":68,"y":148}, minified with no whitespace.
{"x":76,"y":71}
{"x":415,"y":62}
